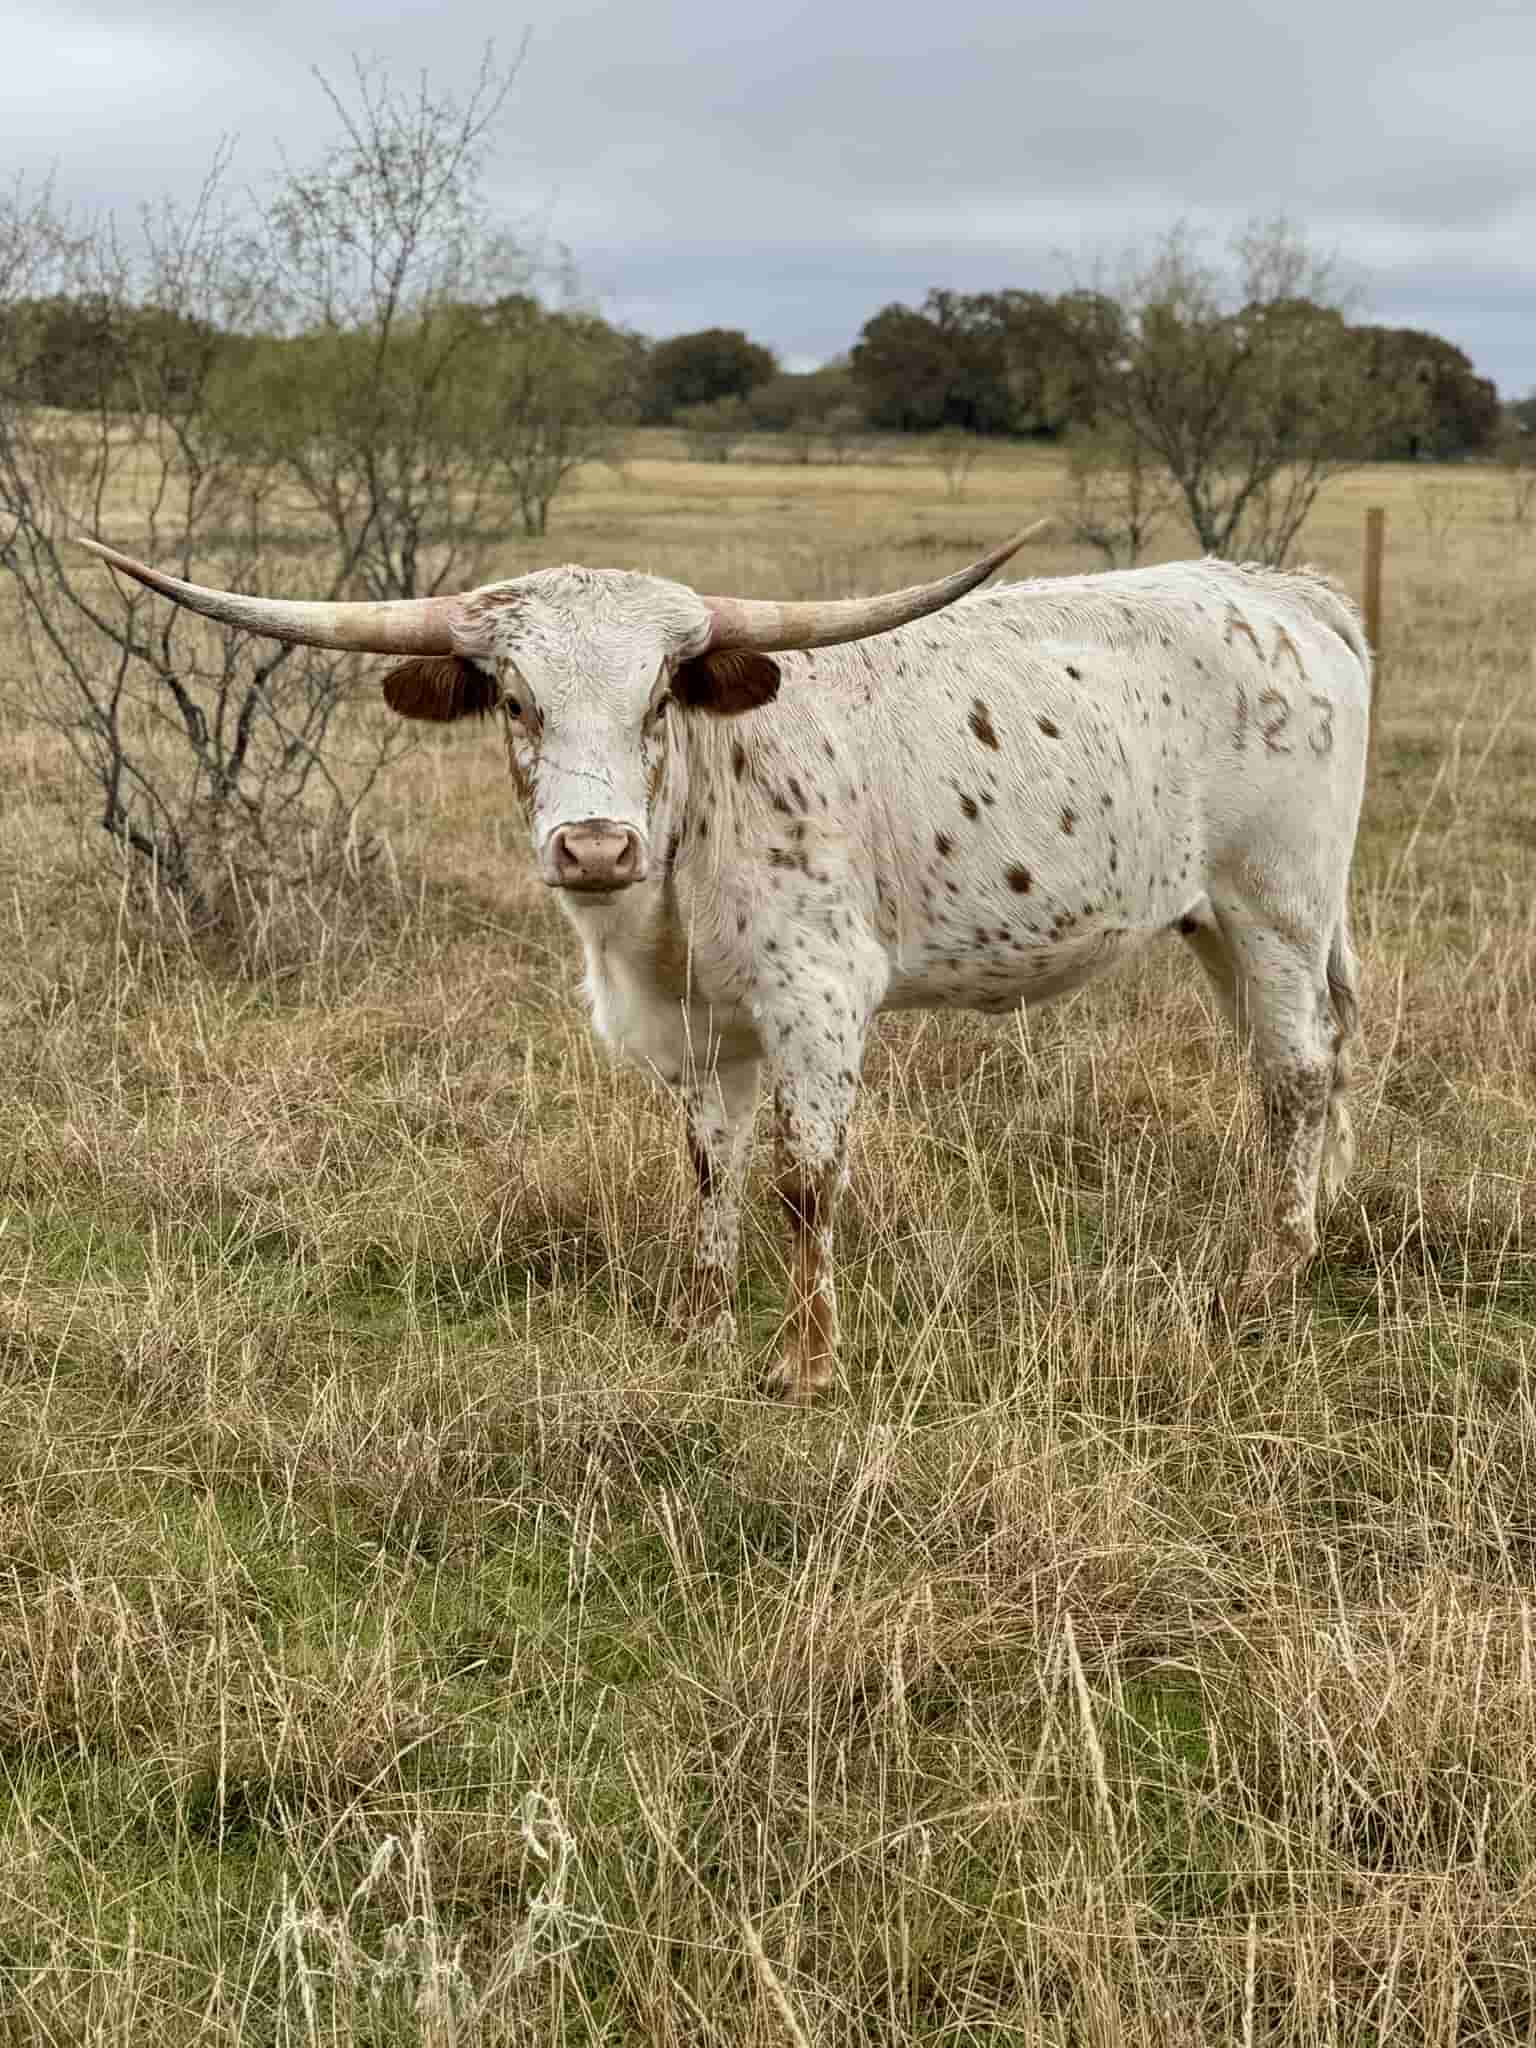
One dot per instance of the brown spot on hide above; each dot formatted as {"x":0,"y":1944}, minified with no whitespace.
{"x":944,"y":843}
{"x":727,"y":683}
{"x":1068,"y":818}
{"x":738,"y":760}
{"x":1236,"y":624}
{"x":968,"y":805}
{"x":1075,"y":673}
{"x":981,"y":724}
{"x":440,"y":687}
{"x":1049,"y":727}
{"x":1020,"y":880}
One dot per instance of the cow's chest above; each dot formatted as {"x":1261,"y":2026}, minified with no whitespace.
{"x":651,"y":1006}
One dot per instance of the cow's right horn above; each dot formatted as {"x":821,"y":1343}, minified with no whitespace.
{"x":402,"y":625}
{"x":767,"y":628}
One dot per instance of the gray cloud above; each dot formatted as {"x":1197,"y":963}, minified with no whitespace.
{"x":791,"y":167}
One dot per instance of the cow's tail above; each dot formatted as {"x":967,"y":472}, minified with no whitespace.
{"x":1344,"y":999}
{"x":1338,"y":611}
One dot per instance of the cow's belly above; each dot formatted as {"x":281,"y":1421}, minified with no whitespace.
{"x":999,"y":975}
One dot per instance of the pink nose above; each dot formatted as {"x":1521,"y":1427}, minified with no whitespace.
{"x":597,"y":854}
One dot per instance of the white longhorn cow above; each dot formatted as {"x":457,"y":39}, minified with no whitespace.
{"x":983,"y":809}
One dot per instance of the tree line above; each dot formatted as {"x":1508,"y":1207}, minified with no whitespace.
{"x":1010,"y":363}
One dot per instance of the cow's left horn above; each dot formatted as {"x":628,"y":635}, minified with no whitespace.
{"x":402,"y":625}
{"x":767,"y":628}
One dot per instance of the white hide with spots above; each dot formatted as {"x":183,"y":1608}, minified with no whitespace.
{"x":985,"y":808}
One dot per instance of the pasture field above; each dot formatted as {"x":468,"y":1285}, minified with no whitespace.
{"x":405,"y":1637}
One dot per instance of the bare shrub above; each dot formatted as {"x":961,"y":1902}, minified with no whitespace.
{"x":1517,"y":469}
{"x":1116,"y":496}
{"x":1440,"y":505}
{"x":365,"y":448}
{"x":216,"y":756}
{"x":955,"y":454}
{"x":1241,"y":379}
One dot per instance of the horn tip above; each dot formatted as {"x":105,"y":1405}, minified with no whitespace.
{"x":1029,"y":532}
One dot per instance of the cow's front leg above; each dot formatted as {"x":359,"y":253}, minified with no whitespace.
{"x":812,"y":1106}
{"x":719,"y":1106}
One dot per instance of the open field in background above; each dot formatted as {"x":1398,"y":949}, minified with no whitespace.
{"x":404,"y":1639}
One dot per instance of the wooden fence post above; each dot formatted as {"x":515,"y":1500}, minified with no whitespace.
{"x":1375,"y":537}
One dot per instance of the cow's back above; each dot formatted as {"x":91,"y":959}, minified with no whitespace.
{"x":1022,"y":788}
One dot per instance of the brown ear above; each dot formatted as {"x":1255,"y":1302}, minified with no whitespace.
{"x":441,"y":687}
{"x":727,"y":682}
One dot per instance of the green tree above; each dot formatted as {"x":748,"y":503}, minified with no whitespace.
{"x":697,"y":369}
{"x":1457,"y":411}
{"x":942,"y":365}
{"x":984,"y":363}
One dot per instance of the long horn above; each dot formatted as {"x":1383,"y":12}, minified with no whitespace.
{"x":402,"y":625}
{"x":746,"y":622}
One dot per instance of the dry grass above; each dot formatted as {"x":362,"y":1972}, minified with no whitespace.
{"x":402,"y":1640}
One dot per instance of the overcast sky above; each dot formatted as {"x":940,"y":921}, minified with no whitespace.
{"x":791,"y":168}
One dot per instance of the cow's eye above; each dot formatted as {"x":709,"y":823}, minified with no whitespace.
{"x":512,"y":708}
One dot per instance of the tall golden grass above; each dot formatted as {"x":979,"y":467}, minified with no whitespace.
{"x":404,"y":1639}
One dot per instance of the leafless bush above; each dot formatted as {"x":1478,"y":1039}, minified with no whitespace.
{"x":845,"y":433}
{"x":382,"y":258}
{"x":1440,"y":505}
{"x":1117,"y":495}
{"x":1517,"y":467}
{"x":1243,"y":380}
{"x":215,"y":756}
{"x":365,"y":449}
{"x":956,"y":452}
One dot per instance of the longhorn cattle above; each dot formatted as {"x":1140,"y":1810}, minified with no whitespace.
{"x":767,"y":826}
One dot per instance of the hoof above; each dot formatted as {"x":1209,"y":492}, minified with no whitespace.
{"x":1265,"y":1293}
{"x":794,"y":1385}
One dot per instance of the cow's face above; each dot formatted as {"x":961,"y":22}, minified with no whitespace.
{"x":585,"y":667}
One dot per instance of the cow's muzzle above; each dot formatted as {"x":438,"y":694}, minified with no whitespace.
{"x":597,"y":857}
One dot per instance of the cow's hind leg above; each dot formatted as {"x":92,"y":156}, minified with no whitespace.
{"x":719,"y":1106}
{"x":1292,"y":997}
{"x":1344,"y":998}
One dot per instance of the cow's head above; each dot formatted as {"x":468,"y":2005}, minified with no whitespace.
{"x":585,"y":666}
